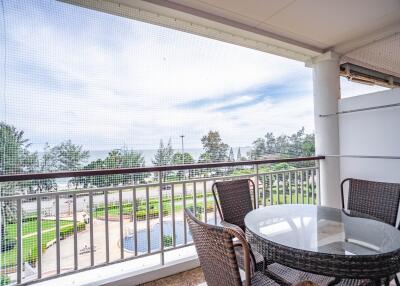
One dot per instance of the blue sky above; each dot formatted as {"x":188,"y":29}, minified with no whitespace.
{"x":105,"y":81}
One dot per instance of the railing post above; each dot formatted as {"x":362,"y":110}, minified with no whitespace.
{"x":160,"y":215}
{"x":302,"y":187}
{"x":290,"y":187}
{"x":173,"y":215}
{"x":39,"y":236}
{"x":107,"y":238}
{"x":148,"y":220}
{"x":19,"y":241}
{"x":58,"y":250}
{"x":134,"y":207}
{"x":205,"y":200}
{"x":121,"y":224}
{"x":184,"y":207}
{"x":271,"y":195}
{"x":74,"y":215}
{"x":313,"y":186}
{"x":91,"y":229}
{"x":194,"y":199}
{"x":308,"y":186}
{"x":284,"y":187}
{"x":257,"y":186}
{"x":318,"y":184}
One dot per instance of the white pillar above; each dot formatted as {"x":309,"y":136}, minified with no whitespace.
{"x":326,"y":84}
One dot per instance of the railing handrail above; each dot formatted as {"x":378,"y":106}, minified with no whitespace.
{"x":138,"y":186}
{"x":102,"y":172}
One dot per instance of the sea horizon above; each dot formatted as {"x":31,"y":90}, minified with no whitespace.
{"x":149,"y":154}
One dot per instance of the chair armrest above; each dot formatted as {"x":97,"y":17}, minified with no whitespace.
{"x":241,"y":242}
{"x":228,"y":224}
{"x":238,"y":245}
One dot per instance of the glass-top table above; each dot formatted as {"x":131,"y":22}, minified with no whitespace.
{"x":325,"y":240}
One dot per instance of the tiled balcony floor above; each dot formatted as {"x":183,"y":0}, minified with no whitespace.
{"x":193,"y":277}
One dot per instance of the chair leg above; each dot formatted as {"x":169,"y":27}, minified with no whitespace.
{"x":334,"y":281}
{"x":396,"y":279}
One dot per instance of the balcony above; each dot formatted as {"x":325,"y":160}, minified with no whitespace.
{"x":126,"y":226}
{"x":86,"y":228}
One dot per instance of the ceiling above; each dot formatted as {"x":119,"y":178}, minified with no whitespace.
{"x":363,"y":31}
{"x":320,"y":23}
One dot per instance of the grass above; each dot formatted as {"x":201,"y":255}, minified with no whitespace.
{"x":29,"y":227}
{"x":127,"y":208}
{"x":29,"y":241}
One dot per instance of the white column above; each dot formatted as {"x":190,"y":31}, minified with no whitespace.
{"x":326,"y":84}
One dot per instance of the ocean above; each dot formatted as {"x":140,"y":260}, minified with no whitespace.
{"x":148,"y":154}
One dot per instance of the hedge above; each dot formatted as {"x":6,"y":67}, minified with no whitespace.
{"x":69,"y":229}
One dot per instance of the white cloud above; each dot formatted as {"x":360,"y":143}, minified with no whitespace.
{"x":113,"y":81}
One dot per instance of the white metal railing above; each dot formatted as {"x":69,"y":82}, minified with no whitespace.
{"x":88,"y":228}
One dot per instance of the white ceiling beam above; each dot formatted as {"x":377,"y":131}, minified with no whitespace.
{"x":179,"y":17}
{"x":228,"y":22}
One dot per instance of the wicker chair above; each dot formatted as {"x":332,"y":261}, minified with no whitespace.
{"x":377,"y":199}
{"x":216,"y":251}
{"x":234,"y":199}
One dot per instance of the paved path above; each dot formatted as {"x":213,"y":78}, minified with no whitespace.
{"x":67,"y":245}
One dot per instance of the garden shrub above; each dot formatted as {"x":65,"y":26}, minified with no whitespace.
{"x":68,"y":230}
{"x":8,"y":244}
{"x":4,"y":280}
{"x":167,"y":240}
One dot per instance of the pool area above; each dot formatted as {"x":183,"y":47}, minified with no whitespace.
{"x":129,"y":242}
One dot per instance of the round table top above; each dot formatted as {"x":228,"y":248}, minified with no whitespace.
{"x":323,"y":230}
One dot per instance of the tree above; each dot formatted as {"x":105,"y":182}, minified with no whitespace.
{"x":283,"y":145}
{"x":70,"y":156}
{"x":98,"y":181}
{"x":14,"y":158}
{"x":132,"y":159}
{"x":239,"y":155}
{"x":178,"y":159}
{"x":231,"y":157}
{"x":117,"y":158}
{"x":214,"y":149}
{"x":308,"y":145}
{"x":164,"y":154}
{"x":270,"y":143}
{"x":258,"y":150}
{"x":14,"y":154}
{"x":47,"y":162}
{"x":296,"y":143}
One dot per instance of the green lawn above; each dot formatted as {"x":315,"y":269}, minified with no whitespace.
{"x":31,"y":226}
{"x":29,"y":242}
{"x":114,"y":209}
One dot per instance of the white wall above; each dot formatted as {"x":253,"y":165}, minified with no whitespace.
{"x":371,"y":133}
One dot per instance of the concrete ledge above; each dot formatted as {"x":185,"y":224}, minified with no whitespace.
{"x":153,"y":273}
{"x":132,"y":272}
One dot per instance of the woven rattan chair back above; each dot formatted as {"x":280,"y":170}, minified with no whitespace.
{"x":377,"y":199}
{"x":234,"y":200}
{"x":215,"y":249}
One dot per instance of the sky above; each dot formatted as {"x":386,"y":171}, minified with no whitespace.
{"x":104,"y":82}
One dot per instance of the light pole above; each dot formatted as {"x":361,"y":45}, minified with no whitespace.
{"x":183,"y":154}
